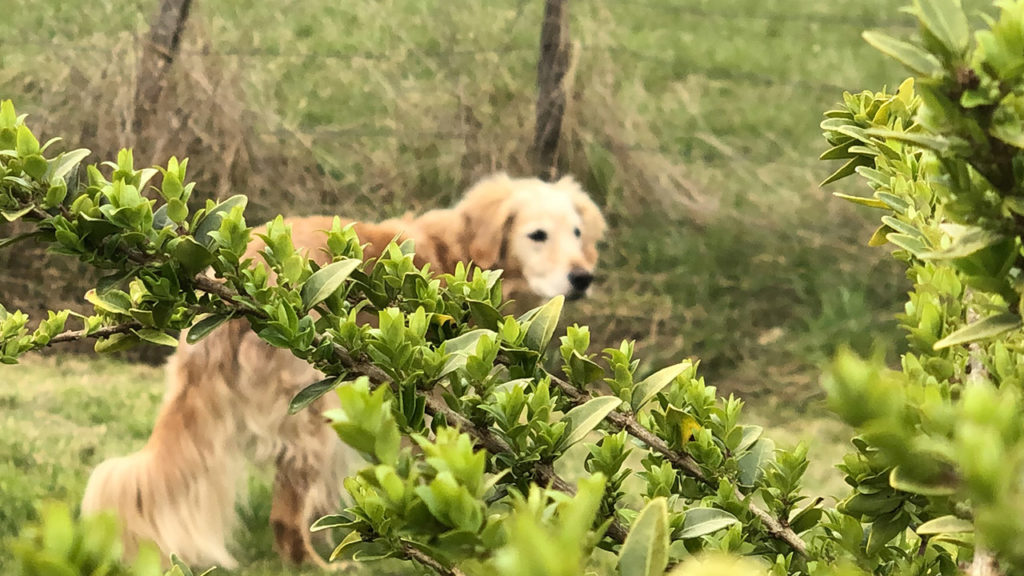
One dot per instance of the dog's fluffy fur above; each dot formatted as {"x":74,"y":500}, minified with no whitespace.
{"x":227,"y":396}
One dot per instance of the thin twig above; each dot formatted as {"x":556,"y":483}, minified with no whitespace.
{"x":73,"y":335}
{"x":414,"y":553}
{"x":984,"y":563}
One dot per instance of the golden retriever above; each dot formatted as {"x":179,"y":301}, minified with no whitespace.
{"x":227,"y":396}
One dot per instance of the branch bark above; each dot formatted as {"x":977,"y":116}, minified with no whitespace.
{"x":551,"y":71}
{"x":414,"y":553}
{"x":74,"y":335}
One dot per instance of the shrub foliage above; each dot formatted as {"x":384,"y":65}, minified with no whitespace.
{"x":935,"y":470}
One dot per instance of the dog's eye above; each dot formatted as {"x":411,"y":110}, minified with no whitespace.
{"x":577,"y":232}
{"x":538,"y":235}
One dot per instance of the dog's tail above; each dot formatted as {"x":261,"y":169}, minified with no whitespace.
{"x":188,"y":515}
{"x":180,"y":490}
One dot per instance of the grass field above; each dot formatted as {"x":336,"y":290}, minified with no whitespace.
{"x":693,"y":123}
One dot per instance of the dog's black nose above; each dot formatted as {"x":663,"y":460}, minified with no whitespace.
{"x":580,"y":279}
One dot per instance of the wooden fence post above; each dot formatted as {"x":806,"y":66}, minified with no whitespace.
{"x":158,"y":54}
{"x":551,"y":70}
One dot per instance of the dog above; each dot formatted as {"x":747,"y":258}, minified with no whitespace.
{"x":227,"y":396}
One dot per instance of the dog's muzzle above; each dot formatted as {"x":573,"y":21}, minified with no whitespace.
{"x":579,"y":280}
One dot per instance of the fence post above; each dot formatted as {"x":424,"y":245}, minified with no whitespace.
{"x":158,"y":53}
{"x":551,"y":70}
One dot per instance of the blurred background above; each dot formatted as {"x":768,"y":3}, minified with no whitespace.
{"x":693,"y":123}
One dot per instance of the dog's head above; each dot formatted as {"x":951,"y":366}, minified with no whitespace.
{"x":544,"y":234}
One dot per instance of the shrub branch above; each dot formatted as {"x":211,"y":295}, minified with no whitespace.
{"x":682,"y":462}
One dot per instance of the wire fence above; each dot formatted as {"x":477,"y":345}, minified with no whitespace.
{"x":413,"y":56}
{"x":790,"y":18}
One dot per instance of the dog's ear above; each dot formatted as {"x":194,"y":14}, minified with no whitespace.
{"x":594,"y":225}
{"x":487,"y":215}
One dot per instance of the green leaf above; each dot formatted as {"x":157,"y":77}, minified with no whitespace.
{"x":945,"y":525}
{"x":870,"y":505}
{"x":751,"y":465}
{"x":35,"y":166}
{"x":934,"y":143}
{"x":330,"y":521}
{"x":909,"y":243}
{"x":351,"y":538}
{"x":485,"y":315}
{"x":67,"y":162}
{"x":156,"y":337}
{"x":966,"y":240}
{"x":465,"y":343}
{"x":112,"y":302}
{"x":916,"y":59}
{"x":880,"y":179}
{"x":650,"y":386}
{"x":177,"y":211}
{"x":902,"y":227}
{"x":27,"y":144}
{"x":160,"y":218}
{"x":980,"y":330}
{"x":878,"y":238}
{"x":806,"y":518}
{"x":204,"y":327}
{"x":853,"y":131}
{"x":840,"y":152}
{"x":645,"y":551}
{"x":751,"y":433}
{"x":946,"y":20}
{"x":211,"y":222}
{"x":847,"y":169}
{"x":193,"y":256}
{"x":58,"y":531}
{"x":12,"y":215}
{"x":8,"y":117}
{"x":177,"y":563}
{"x":314,"y":391}
{"x":884,"y":529}
{"x":869,"y":202}
{"x":543,"y":323}
{"x":702,"y":521}
{"x":584,"y":370}
{"x":364,"y":551}
{"x":582,"y":419}
{"x":899,"y":480}
{"x":115,"y":343}
{"x":895,"y":203}
{"x":326,"y":281}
